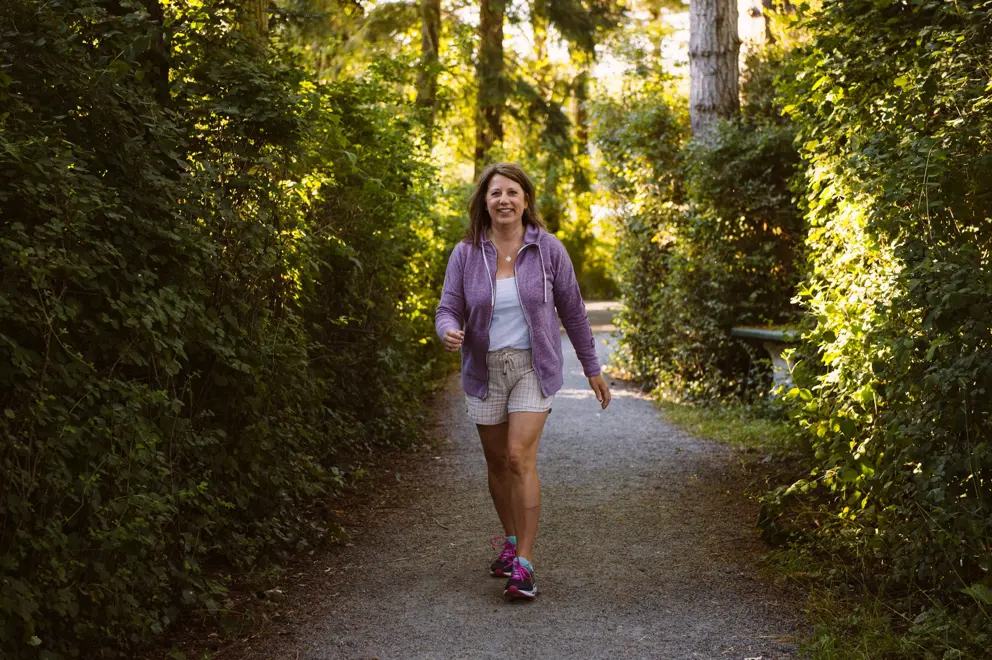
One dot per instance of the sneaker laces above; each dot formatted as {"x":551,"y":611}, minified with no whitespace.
{"x":520,"y":572}
{"x":508,"y":552}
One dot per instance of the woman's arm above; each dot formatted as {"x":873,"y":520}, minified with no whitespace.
{"x":450,"y":310}
{"x":572,"y":310}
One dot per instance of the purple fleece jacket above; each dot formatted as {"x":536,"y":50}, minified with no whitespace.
{"x":545,"y":282}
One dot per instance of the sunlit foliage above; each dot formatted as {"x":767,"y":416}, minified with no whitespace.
{"x":892,"y":99}
{"x":708,"y":234}
{"x":210,"y":298}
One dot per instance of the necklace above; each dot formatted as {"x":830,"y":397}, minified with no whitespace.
{"x":506,"y":257}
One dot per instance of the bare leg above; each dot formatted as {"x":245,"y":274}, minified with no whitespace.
{"x":494,"y":445}
{"x":524,"y":435}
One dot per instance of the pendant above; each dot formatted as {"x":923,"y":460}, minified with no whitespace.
{"x":507,"y":257}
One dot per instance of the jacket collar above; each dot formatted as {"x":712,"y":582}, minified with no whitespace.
{"x":532,"y":234}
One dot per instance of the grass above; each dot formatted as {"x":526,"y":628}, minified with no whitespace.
{"x":735,"y":425}
{"x":845,"y":619}
{"x":844,"y":624}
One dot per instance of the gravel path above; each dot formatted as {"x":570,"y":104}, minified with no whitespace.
{"x":647,"y":549}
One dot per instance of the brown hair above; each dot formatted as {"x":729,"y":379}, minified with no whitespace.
{"x":478,"y":214}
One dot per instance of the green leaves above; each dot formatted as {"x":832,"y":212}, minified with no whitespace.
{"x":174,"y":396}
{"x":980,"y":592}
{"x":897,"y":196}
{"x":708,"y":238}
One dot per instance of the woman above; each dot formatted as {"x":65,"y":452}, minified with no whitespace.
{"x":502,"y":288}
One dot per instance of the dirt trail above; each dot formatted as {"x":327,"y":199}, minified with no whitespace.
{"x":647,"y":549}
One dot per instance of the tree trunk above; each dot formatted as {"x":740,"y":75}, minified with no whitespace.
{"x":580,"y":91}
{"x":430,"y":29}
{"x":488,"y":121}
{"x":539,"y":27}
{"x":714,"y":49}
{"x":158,"y":54}
{"x":255,"y":19}
{"x":769,"y":7}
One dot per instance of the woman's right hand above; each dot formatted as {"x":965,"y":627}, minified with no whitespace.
{"x":453,"y":340}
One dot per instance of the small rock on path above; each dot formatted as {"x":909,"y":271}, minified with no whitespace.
{"x":647,"y":549}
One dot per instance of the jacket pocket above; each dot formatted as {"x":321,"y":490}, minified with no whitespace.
{"x":545,"y":356}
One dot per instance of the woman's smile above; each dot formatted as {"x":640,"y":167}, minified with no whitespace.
{"x":505,"y":200}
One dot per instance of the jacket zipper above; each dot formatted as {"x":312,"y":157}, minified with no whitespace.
{"x":492,"y":306}
{"x":516,"y":283}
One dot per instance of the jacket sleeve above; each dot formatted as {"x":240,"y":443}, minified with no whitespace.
{"x":572,"y":311}
{"x":450,"y":310}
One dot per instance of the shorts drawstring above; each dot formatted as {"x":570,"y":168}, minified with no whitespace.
{"x":505,"y":360}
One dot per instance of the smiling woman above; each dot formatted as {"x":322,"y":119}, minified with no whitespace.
{"x":505,"y":203}
{"x":495,"y":307}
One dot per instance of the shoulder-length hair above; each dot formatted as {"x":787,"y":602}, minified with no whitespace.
{"x":478,"y":214}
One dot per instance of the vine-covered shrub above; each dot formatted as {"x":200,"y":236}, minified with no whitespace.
{"x":708,"y":239}
{"x":590,"y":245}
{"x":216,"y":280}
{"x":893,"y":103}
{"x":641,"y":135}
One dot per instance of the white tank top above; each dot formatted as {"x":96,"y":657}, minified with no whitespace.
{"x":509,"y":327}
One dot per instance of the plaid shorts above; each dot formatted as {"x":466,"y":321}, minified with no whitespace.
{"x":513,"y":387}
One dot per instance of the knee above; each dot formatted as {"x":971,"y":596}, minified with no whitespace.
{"x":498,"y":463}
{"x":519,"y":462}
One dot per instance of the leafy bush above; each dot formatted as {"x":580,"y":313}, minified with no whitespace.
{"x":708,"y":239}
{"x":641,"y":135}
{"x":590,"y":243}
{"x":216,"y":279}
{"x":892,"y":101}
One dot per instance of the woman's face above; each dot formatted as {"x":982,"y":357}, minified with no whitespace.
{"x":505,"y":201}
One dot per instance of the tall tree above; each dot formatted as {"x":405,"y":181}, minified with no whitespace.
{"x":582,"y":23}
{"x":583,"y":60}
{"x":714,"y":48}
{"x":768,"y":6}
{"x":430,"y":30}
{"x":255,"y":18}
{"x":157,"y":58}
{"x":553,"y":136}
{"x":539,"y":28}
{"x":491,"y":96}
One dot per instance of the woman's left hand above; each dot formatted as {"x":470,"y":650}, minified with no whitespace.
{"x":601,"y":389}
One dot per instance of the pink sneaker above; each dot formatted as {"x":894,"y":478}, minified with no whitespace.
{"x":521,"y":583}
{"x":503,"y":566}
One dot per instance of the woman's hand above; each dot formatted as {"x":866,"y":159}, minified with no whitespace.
{"x":601,"y":389}
{"x":453,"y":340}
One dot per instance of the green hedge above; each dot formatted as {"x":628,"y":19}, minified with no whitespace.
{"x":893,"y":103}
{"x":708,"y":237}
{"x":209,"y":297}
